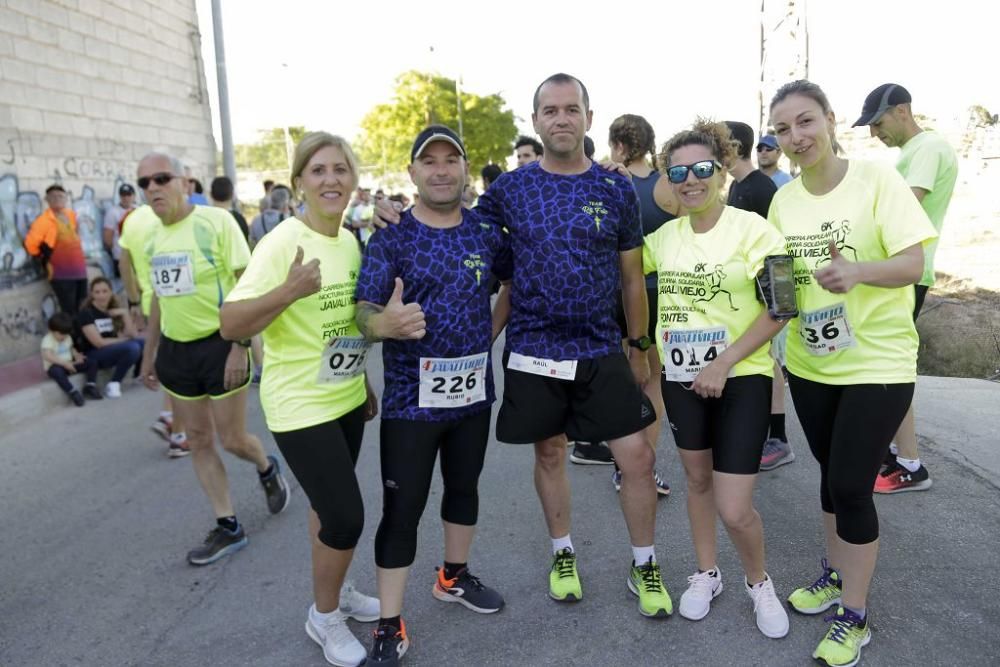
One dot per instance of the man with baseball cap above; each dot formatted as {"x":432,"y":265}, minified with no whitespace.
{"x":929,"y":164}
{"x":424,"y":290}
{"x":113,"y":222}
{"x":768,"y":154}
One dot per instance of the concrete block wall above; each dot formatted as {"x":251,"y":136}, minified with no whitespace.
{"x":86,"y":88}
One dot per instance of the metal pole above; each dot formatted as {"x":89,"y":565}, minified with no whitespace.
{"x":458,"y":96}
{"x":228,"y":154}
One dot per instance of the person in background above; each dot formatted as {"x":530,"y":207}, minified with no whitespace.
{"x":107,"y":335}
{"x":223,"y":196}
{"x":279,"y":207}
{"x":60,"y":360}
{"x":113,"y":220}
{"x":768,"y":155}
{"x":53,"y":238}
{"x":527,"y":150}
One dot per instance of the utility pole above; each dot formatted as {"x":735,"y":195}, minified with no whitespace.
{"x":228,"y":153}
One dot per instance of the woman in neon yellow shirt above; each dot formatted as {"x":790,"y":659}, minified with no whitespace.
{"x":299,"y":291}
{"x":855,"y":231}
{"x":712,"y":335}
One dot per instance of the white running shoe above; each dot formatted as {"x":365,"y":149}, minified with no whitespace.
{"x":340,"y":647}
{"x":357,"y":605}
{"x":703,"y":587}
{"x":772,"y":620}
{"x":113,"y":390}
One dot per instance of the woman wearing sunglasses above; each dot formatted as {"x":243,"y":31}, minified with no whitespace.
{"x":855,"y":231}
{"x":712,"y":334}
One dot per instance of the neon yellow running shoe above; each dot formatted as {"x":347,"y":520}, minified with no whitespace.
{"x":819,"y":595}
{"x":564,"y":582}
{"x":645,"y":581}
{"x":842,"y":645}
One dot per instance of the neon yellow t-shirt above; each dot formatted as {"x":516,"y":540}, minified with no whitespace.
{"x":708,"y":280}
{"x":866,"y":336}
{"x":290,"y":394}
{"x":193,"y":265}
{"x":137,"y":238}
{"x":929,"y":162}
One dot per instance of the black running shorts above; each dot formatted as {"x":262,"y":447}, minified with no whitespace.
{"x":196,"y":369}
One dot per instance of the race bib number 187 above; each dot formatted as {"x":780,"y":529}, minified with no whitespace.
{"x":343,"y":359}
{"x":172,"y":274}
{"x":452,"y":383}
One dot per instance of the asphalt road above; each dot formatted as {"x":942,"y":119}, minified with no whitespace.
{"x":95,"y":523}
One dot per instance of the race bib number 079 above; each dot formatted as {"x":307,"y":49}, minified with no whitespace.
{"x":826,"y":330}
{"x":452,"y":383}
{"x":687,"y":351}
{"x":172,"y":275}
{"x":344,"y":358}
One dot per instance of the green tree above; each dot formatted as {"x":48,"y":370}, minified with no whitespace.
{"x":388,"y":130}
{"x":270,"y":152}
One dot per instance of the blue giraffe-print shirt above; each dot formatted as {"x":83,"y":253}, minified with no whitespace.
{"x":446,"y":271}
{"x":566,"y":235}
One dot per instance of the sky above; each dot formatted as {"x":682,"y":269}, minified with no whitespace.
{"x":325,"y":65}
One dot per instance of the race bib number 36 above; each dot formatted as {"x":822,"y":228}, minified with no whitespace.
{"x":826,"y":330}
{"x":452,"y":383}
{"x":172,"y":274}
{"x":343,"y":359}
{"x":687,"y":351}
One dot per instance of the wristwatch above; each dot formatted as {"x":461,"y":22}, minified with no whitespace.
{"x":643,"y":342}
{"x":243,"y":343}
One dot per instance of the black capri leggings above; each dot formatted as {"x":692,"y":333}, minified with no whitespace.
{"x":849,"y":428}
{"x":408,"y":450}
{"x":322,"y":458}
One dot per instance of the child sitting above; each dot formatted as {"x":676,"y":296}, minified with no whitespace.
{"x":60,"y":360}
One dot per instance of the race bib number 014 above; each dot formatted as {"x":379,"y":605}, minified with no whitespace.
{"x":686,"y":352}
{"x":826,"y":330}
{"x":172,"y":274}
{"x":452,"y":383}
{"x":343,"y":359}
{"x":560,"y":370}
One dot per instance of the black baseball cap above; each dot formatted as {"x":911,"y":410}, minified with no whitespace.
{"x":879,"y":100}
{"x":435,"y":133}
{"x":126,"y":189}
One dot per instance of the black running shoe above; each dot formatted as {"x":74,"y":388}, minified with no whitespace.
{"x":388,"y":645}
{"x":592,"y":453}
{"x":91,"y":391}
{"x":77,"y":398}
{"x":219,"y":543}
{"x":467,"y":590}
{"x":276,"y":488}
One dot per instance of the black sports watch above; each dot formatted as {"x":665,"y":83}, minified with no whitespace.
{"x":643,"y":342}
{"x":243,"y":343}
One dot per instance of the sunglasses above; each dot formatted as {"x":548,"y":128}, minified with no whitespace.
{"x":160,"y":179}
{"x":704,"y":169}
{"x":766,"y":149}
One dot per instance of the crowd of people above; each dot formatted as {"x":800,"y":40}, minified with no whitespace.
{"x":633,"y":294}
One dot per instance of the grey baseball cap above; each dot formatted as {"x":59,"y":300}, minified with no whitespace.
{"x":879,"y":100}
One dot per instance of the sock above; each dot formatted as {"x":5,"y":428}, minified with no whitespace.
{"x":229,"y":523}
{"x":178,"y":438}
{"x":860,"y":612}
{"x":320,"y":617}
{"x":267,"y":473}
{"x":714,"y":572}
{"x":778,"y":426}
{"x":166,"y":414}
{"x":913,"y":465}
{"x":392,"y":621}
{"x":749,"y":585}
{"x":642,"y":555}
{"x":451,"y":570}
{"x":560,"y":543}
{"x":893,"y":449}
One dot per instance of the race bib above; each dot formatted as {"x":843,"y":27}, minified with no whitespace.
{"x":826,"y":330}
{"x":452,"y":383}
{"x":687,"y":351}
{"x":344,"y":358}
{"x":560,"y":370}
{"x":172,"y":274}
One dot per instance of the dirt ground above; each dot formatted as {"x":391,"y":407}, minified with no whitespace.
{"x":959,"y":330}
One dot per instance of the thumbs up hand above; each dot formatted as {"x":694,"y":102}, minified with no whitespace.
{"x":303,"y":279}
{"x":840,"y":275}
{"x":402,"y":321}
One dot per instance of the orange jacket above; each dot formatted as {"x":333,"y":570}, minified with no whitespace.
{"x":44,"y":230}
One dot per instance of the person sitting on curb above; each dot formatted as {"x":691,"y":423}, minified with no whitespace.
{"x":60,"y":360}
{"x":107,"y":335}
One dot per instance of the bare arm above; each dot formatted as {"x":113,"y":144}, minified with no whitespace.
{"x":132,"y":290}
{"x":712,"y":379}
{"x":664,"y":197}
{"x":394,"y":320}
{"x":636,"y":308}
{"x":501,"y":310}
{"x":50,"y":356}
{"x":148,"y":371}
{"x":904,"y":268}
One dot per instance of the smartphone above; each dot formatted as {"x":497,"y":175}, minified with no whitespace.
{"x":781,"y":287}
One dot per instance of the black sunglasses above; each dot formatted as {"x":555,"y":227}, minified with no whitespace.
{"x":160,"y":179}
{"x":704,"y":169}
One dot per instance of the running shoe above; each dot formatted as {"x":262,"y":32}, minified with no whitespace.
{"x":91,"y":391}
{"x":163,"y":427}
{"x":178,"y":446}
{"x":591,"y":453}
{"x":819,"y":595}
{"x":564,"y":581}
{"x":662,"y":488}
{"x":889,"y":460}
{"x":703,"y":587}
{"x":467,"y":590}
{"x":894,"y":478}
{"x":645,"y":582}
{"x":77,"y":398}
{"x":276,"y":488}
{"x":776,"y":453}
{"x":357,"y":605}
{"x":113,"y":390}
{"x":772,"y":620}
{"x":340,"y":647}
{"x":841,"y":647}
{"x":389,"y":644}
{"x":219,"y":542}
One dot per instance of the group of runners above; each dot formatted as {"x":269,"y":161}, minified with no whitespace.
{"x":571,"y":243}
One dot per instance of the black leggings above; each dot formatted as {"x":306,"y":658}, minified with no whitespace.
{"x":322,"y":458}
{"x":409,"y":449}
{"x":70,"y":294}
{"x":849,"y":428}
